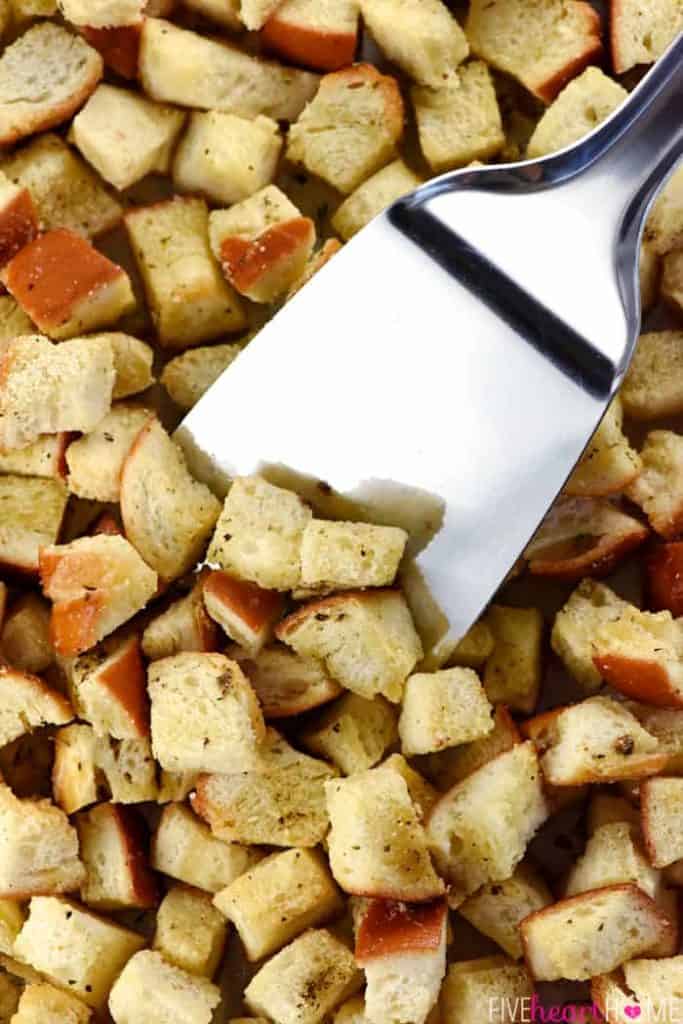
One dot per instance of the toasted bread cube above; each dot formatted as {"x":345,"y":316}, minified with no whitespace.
{"x":12,"y":917}
{"x":45,"y":1004}
{"x":447,"y":767}
{"x":33,"y":511}
{"x":641,"y":655}
{"x":373,"y":196}
{"x":175,"y":787}
{"x":664,"y":568}
{"x":27,"y":703}
{"x":459,"y":121}
{"x":443,"y":709}
{"x":422,"y":793}
{"x":613,"y":856}
{"x":543,"y":45}
{"x":593,"y":933}
{"x":672,"y":281}
{"x":44,"y":458}
{"x":177,"y":66}
{"x":50,"y":388}
{"x":13,"y":321}
{"x":278,"y":899}
{"x":658,"y":490}
{"x":205,"y":715}
{"x":581,"y":106}
{"x":498,"y":908}
{"x":167,"y":514}
{"x":475,"y":647}
{"x":189,"y":300}
{"x":576,"y":624}
{"x":285,"y":683}
{"x":342,"y":556}
{"x":366,"y":640}
{"x":18,"y":219}
{"x":661,"y":803}
{"x":38,"y":848}
{"x":189,"y":376}
{"x":118,"y":45}
{"x":177,"y":996}
{"x":353,"y":733}
{"x":245,"y":611}
{"x":184,"y":626}
{"x":109,"y":689}
{"x":318,"y":35}
{"x":102,"y":13}
{"x":255,"y":13}
{"x":112,"y":841}
{"x":96,"y":460}
{"x":132,"y":362}
{"x":281,"y":803}
{"x":377,"y":844}
{"x":655,"y":984}
{"x":351,"y":129}
{"x":224,"y":12}
{"x":597,"y":740}
{"x":651,"y":387}
{"x":421,"y":36}
{"x":305,"y":981}
{"x":190,"y":933}
{"x":471,"y":986}
{"x":317,"y":261}
{"x":183,"y":848}
{"x":609,"y":464}
{"x":89,"y":767}
{"x":96,"y":584}
{"x":513,"y":670}
{"x":74,"y":773}
{"x":9,"y":1001}
{"x":125,"y":136}
{"x":606,"y":808}
{"x":640,"y":32}
{"x":472,"y":850}
{"x":664,"y":226}
{"x":128,"y":768}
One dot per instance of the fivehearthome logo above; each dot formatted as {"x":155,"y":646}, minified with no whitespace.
{"x":530,"y":1010}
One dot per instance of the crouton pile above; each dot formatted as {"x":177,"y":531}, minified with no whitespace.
{"x":236,"y":784}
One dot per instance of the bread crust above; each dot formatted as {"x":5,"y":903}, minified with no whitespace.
{"x":316,"y":48}
{"x":119,"y":47}
{"x":664,"y":575}
{"x":388,"y":928}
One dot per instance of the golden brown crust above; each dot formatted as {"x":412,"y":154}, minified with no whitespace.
{"x":599,"y":557}
{"x":18,"y":225}
{"x":312,"y":47}
{"x":253,"y":605}
{"x":639,"y":679}
{"x":388,"y":928}
{"x":548,"y":90}
{"x":125,"y":678}
{"x":119,"y":47}
{"x":664,"y":573}
{"x":245,"y":262}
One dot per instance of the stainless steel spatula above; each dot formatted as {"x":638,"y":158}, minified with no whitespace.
{"x":445,"y":371}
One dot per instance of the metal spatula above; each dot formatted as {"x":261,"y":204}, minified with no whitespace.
{"x":446,"y":370}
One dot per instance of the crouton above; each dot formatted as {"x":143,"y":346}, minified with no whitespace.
{"x":255,"y":13}
{"x":45,"y":458}
{"x":658,"y":489}
{"x":184,"y":626}
{"x":112,"y":842}
{"x":45,"y":1004}
{"x":597,"y":740}
{"x":341,"y":556}
{"x":96,"y":460}
{"x":278,"y":899}
{"x":66,"y":286}
{"x":373,"y":196}
{"x":89,"y":767}
{"x":661,"y":803}
{"x":190,"y":933}
{"x":640,"y":32}
{"x":609,"y":464}
{"x":9,"y":1000}
{"x":366,"y":640}
{"x":353,"y":733}
{"x":27,"y":703}
{"x":423,"y":795}
{"x":128,"y":768}
{"x":38,"y":848}
{"x":664,"y":225}
{"x":305,"y":981}
{"x":175,"y":787}
{"x":351,"y":129}
{"x":177,"y":66}
{"x":12,"y":917}
{"x":447,"y":767}
{"x":189,"y":300}
{"x":583,"y":536}
{"x":640,"y":654}
{"x":118,"y":45}
{"x":18,"y":219}
{"x":108,"y":688}
{"x":664,"y":576}
{"x":33,"y":510}
{"x":513,"y":669}
{"x":590,"y":934}
{"x":420,"y":36}
{"x":205,"y":715}
{"x":74,"y":773}
{"x":132,"y":362}
{"x":651,"y":388}
{"x":167,"y":514}
{"x":282,"y":803}
{"x":459,"y":121}
{"x":184,"y":848}
{"x":543,"y":44}
{"x":613,"y":856}
{"x":442,"y":709}
{"x":102,"y":13}
{"x":498,"y":908}
{"x":471,"y":849}
{"x":654,"y":984}
{"x":189,"y":376}
{"x":45,"y":76}
{"x":581,"y":106}
{"x":474,"y":649}
{"x":320,"y":36}
{"x":178,"y":997}
{"x":13,"y":321}
{"x":285,"y":683}
{"x":589,"y":607}
{"x":223,"y":12}
{"x":471,"y":986}
{"x":317,"y":261}
{"x":244,"y":610}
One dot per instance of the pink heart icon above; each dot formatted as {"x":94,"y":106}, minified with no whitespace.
{"x":632,"y":1011}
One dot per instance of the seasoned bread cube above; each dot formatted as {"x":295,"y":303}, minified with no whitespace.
{"x":498,"y":908}
{"x":119,"y":47}
{"x":420,"y":36}
{"x":205,"y":715}
{"x":318,"y":35}
{"x":659,"y":487}
{"x":651,"y":388}
{"x":184,"y":848}
{"x":581,"y":106}
{"x":94,"y":293}
{"x":593,"y":933}
{"x":45,"y":457}
{"x":653,"y":983}
{"x":108,"y":688}
{"x":102,"y":13}
{"x":128,"y":769}
{"x":223,"y":12}
{"x":117,"y":875}
{"x":377,"y":844}
{"x":459,"y":121}
{"x":542,"y":44}
{"x":664,"y":225}
{"x":454,"y":764}
{"x":226,"y":157}
{"x":189,"y":376}
{"x":641,"y":655}
{"x":190,"y":933}
{"x":184,"y":626}
{"x":38,"y":848}
{"x":353,"y":733}
{"x":89,"y":767}
{"x":45,"y":76}
{"x":373,"y":196}
{"x":167,"y":514}
{"x":640,"y":32}
{"x":664,"y":578}
{"x":342,"y":556}
{"x":475,"y":647}
{"x":12,"y":917}
{"x":188,"y":298}
{"x":305,"y":981}
{"x":132,"y":362}
{"x":13,"y":321}
{"x":513,"y":669}
{"x":350,"y":129}
{"x":45,"y":1004}
{"x":281,"y":803}
{"x":32,"y":514}
{"x":576,"y":624}
{"x":125,"y":136}
{"x":402,"y":950}
{"x":366,"y":640}
{"x":613,"y":856}
{"x":278,"y":899}
{"x":96,"y":460}
{"x":443,"y":709}
{"x":177,"y":66}
{"x":423,"y":795}
{"x":74,"y":772}
{"x":661,"y":804}
{"x":245,"y":611}
{"x":474,"y":987}
{"x":609,"y":464}
{"x":472,"y":849}
{"x":259,"y":533}
{"x":176,"y":996}
{"x":27,"y":703}
{"x":18,"y":219}
{"x":175,"y":787}
{"x":285,"y":683}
